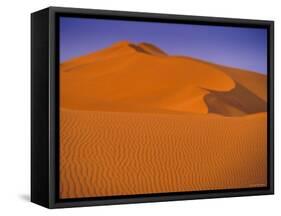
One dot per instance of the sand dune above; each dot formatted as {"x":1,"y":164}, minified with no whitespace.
{"x":136,"y":120}
{"x":256,"y":83}
{"x":131,"y":76}
{"x":149,"y":48}
{"x":110,"y":153}
{"x":239,"y":101}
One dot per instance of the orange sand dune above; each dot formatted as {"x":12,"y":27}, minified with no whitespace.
{"x":110,"y":153}
{"x":149,"y":48}
{"x":130,"y":76}
{"x":136,"y":120}
{"x":256,"y":83}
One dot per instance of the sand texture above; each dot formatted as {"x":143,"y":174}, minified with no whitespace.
{"x":135,"y":120}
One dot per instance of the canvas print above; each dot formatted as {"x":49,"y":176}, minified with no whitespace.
{"x":150,"y":107}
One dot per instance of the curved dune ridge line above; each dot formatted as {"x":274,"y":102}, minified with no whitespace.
{"x":152,"y":49}
{"x":142,"y":77}
{"x":131,"y":75}
{"x":136,"y":120}
{"x":110,"y":153}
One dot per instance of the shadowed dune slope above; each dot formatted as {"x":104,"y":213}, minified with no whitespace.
{"x":239,"y":101}
{"x":249,"y":95}
{"x":142,"y":77}
{"x":254,"y":82}
{"x":152,"y":49}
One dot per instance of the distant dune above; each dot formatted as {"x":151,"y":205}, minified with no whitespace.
{"x":136,"y":120}
{"x":133,"y":77}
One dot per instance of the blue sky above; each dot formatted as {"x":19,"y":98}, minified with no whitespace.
{"x":239,"y":47}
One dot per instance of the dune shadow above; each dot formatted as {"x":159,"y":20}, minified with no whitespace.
{"x":237,"y":102}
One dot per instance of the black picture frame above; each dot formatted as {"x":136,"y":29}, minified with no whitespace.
{"x":45,"y":107}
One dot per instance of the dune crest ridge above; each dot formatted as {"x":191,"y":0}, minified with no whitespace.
{"x":142,"y":77}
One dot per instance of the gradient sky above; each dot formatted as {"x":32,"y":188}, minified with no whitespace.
{"x":239,"y":47}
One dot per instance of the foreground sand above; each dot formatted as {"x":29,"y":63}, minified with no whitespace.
{"x":111,"y":153}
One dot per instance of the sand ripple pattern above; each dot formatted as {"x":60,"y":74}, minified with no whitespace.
{"x":113,"y":153}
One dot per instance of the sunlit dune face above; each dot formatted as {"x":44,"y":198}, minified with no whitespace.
{"x":140,"y":77}
{"x":136,"y":120}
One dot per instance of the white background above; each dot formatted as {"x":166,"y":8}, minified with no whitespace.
{"x":15,"y":107}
